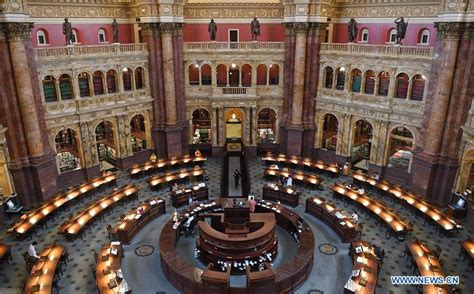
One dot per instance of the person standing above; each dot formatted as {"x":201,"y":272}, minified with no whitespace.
{"x":32,"y":251}
{"x":237,"y":176}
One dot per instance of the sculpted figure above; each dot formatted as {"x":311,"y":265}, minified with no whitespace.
{"x":212,"y":29}
{"x":255,"y":27}
{"x":67,"y":31}
{"x":401,"y":29}
{"x":352,"y":26}
{"x":115,"y":30}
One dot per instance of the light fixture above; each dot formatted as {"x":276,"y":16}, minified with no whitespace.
{"x":342,"y":68}
{"x":125,"y":69}
{"x":233,"y":116}
{"x":196,"y":65}
{"x":233,"y":65}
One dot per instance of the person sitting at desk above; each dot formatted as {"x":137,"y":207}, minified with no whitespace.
{"x":190,"y":200}
{"x":289,"y":181}
{"x":377,"y":176}
{"x":252,"y":203}
{"x":175,"y":187}
{"x":460,"y":203}
{"x":361,"y":191}
{"x":355,"y":217}
{"x":32,"y":251}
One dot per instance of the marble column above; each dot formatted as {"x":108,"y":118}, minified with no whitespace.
{"x":299,"y":74}
{"x":169,"y":72}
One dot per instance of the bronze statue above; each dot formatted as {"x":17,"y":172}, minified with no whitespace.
{"x":67,"y":31}
{"x":212,"y":29}
{"x":352,"y":26}
{"x":115,"y":30}
{"x":401,"y":29}
{"x":255,"y":27}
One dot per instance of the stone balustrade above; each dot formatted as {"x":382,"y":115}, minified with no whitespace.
{"x":54,"y":53}
{"x":378,"y":50}
{"x":233,"y":46}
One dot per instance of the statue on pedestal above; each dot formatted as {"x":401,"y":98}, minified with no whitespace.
{"x":115,"y":30}
{"x":255,"y":27}
{"x":212,"y":29}
{"x":67,"y":31}
{"x":352,"y":26}
{"x":401,"y":29}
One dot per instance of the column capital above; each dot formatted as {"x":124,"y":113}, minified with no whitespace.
{"x":288,"y":28}
{"x":469,"y":31}
{"x":300,"y":28}
{"x":167,"y":29}
{"x":178,"y":29}
{"x":449,"y":30}
{"x":17,"y":31}
{"x":150,"y":29}
{"x":318,"y":27}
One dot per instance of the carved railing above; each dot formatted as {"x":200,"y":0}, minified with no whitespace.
{"x":234,"y":91}
{"x":92,"y":50}
{"x":205,"y":46}
{"x":377,"y":50}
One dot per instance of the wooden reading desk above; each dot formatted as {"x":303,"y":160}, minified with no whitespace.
{"x":149,"y":166}
{"x":364,"y":276}
{"x":284,"y":194}
{"x":156,"y":181}
{"x":198,"y":191}
{"x":298,"y":176}
{"x":5,"y":252}
{"x":467,"y":247}
{"x":108,"y":272}
{"x":332,"y":169}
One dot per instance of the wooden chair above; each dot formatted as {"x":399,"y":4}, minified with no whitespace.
{"x":28,"y":261}
{"x":110,"y":232}
{"x":358,"y":231}
{"x":96,"y":257}
{"x":437,"y":251}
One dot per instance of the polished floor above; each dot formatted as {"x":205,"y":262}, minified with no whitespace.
{"x":144,"y":274}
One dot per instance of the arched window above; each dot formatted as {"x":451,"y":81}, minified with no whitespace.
{"x":392,"y":36}
{"x":49,"y":89}
{"x":138,"y":134}
{"x":104,"y":136}
{"x":246,"y":78}
{"x":201,"y":126}
{"x":111,"y":81}
{"x":330,"y":128}
{"x":400,"y":147}
{"x":261,"y":75}
{"x":418,"y":87}
{"x":84,"y":89}
{"x":98,"y":83}
{"x":139,"y":78}
{"x":221,"y":72}
{"x":193,"y":71}
{"x":361,"y":143}
{"x":67,"y":150}
{"x":101,"y":36}
{"x":425,"y":37}
{"x":356,"y":80}
{"x":364,"y":36}
{"x":206,"y":75}
{"x":75,"y":37}
{"x":328,"y":77}
{"x":65,"y":87}
{"x":41,"y":37}
{"x":266,"y":125}
{"x":401,"y":89}
{"x":369,"y":84}
{"x":274,"y":74}
{"x":234,"y":72}
{"x":340,"y":78}
{"x":127,"y":79}
{"x":384,"y":83}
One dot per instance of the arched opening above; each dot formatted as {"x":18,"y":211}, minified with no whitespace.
{"x":221,"y":72}
{"x":65,"y":87}
{"x":234,"y":118}
{"x":400,"y":147}
{"x":330,"y":128}
{"x":206,"y":75}
{"x":111,"y":81}
{"x":98,"y":83}
{"x":234,"y":72}
{"x":274,"y":74}
{"x":340,"y":78}
{"x":201,"y":126}
{"x":41,"y":37}
{"x":356,"y":80}
{"x":67,"y":150}
{"x":392,"y":36}
{"x":84,"y":89}
{"x":106,"y":147}
{"x":424,"y":37}
{"x":369,"y":84}
{"x":364,"y":36}
{"x":246,"y":75}
{"x":401,"y":89}
{"x":75,"y":37}
{"x":328,"y":77}
{"x":418,"y":87}
{"x":384,"y":83}
{"x":261,"y":75}
{"x":139,"y":78}
{"x":266,"y":125}
{"x":49,"y":89}
{"x":102,"y":36}
{"x":193,"y":72}
{"x":127,"y":79}
{"x":138,"y":133}
{"x":361,"y":144}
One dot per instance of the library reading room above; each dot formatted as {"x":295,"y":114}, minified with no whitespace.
{"x":236,"y":147}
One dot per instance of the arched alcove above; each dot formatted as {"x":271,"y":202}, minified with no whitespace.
{"x":266,"y":125}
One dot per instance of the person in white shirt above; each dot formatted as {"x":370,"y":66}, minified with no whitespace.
{"x":289,"y":181}
{"x":32,"y":250}
{"x":459,"y":204}
{"x":361,"y":191}
{"x":377,"y":176}
{"x":355,"y":217}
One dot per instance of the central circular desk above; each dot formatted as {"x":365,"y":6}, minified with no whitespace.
{"x":283,"y":279}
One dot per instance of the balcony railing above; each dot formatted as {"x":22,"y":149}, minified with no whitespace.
{"x":76,"y":51}
{"x":234,"y":91}
{"x":205,"y":46}
{"x":378,"y":50}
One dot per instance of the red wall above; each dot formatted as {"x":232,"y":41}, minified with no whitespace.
{"x":87,"y":33}
{"x":199,"y":33}
{"x":379,"y":33}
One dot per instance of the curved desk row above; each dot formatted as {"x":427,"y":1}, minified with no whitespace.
{"x":286,"y":195}
{"x":74,"y":226}
{"x":25,"y":224}
{"x":137,"y":218}
{"x":298,"y":176}
{"x":108,"y":272}
{"x":430,"y":211}
{"x":288,"y":277}
{"x":156,"y":181}
{"x":398,"y":225}
{"x":365,"y":268}
{"x":150,"y":166}
{"x":336,"y":218}
{"x":332,"y":169}
{"x":199,"y":192}
{"x":42,"y":273}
